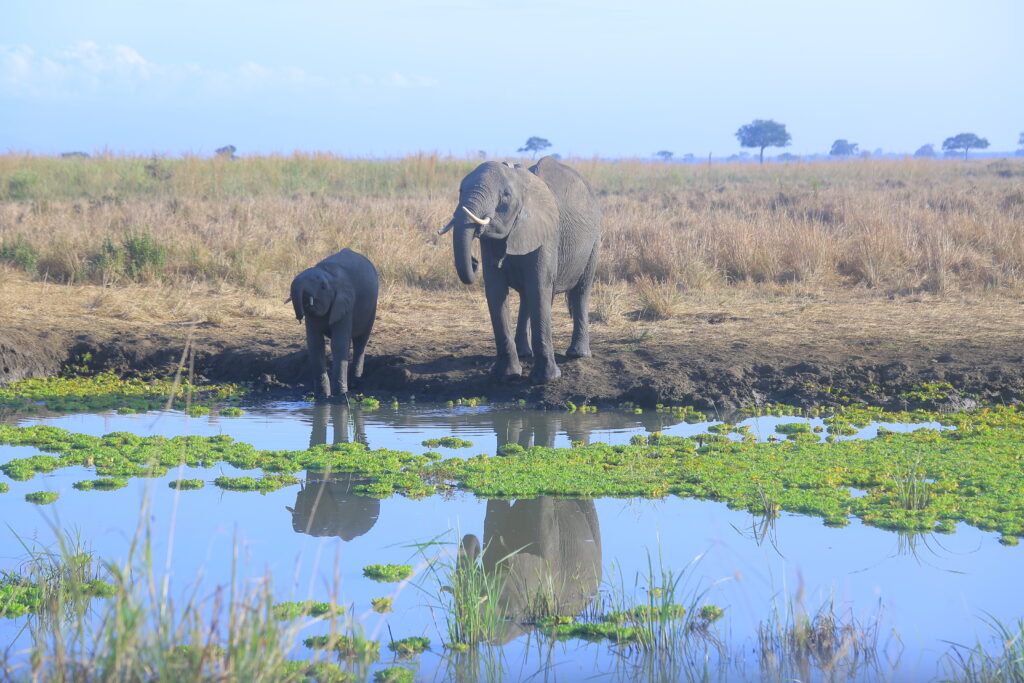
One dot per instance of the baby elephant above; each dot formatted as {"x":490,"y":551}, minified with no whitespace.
{"x":338,"y":298}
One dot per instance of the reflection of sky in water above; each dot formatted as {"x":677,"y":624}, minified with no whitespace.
{"x":931,"y":588}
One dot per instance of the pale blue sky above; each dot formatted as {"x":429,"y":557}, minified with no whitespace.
{"x":615,"y":79}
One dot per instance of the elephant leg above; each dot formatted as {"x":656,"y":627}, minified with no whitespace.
{"x":579,"y":308}
{"x":359,"y":353}
{"x":544,"y":367}
{"x":341,"y":343}
{"x":318,"y":359}
{"x":506,"y":365}
{"x":523,"y":346}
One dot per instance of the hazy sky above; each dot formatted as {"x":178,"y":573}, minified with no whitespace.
{"x":390,"y":77}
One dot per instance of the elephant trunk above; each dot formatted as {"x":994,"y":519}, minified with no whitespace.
{"x":466,"y":266}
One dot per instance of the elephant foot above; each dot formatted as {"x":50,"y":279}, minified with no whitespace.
{"x":578,"y":351}
{"x":545,"y":372}
{"x":526,"y":353}
{"x":505,"y":371}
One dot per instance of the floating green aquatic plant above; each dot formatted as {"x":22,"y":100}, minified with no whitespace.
{"x":447,"y":442}
{"x":394,"y":674}
{"x":107,"y":391}
{"x":42,"y":497}
{"x":4,"y":488}
{"x":971,"y":473}
{"x":108,"y":484}
{"x":264,"y":484}
{"x":187,"y":484}
{"x":320,"y":672}
{"x":288,"y":611}
{"x":387,"y":573}
{"x":19,"y":596}
{"x":198,"y":411}
{"x":381,"y":605}
{"x":927,"y":392}
{"x":346,"y":646}
{"x":231,"y":411}
{"x":368,"y":402}
{"x":409,"y":647}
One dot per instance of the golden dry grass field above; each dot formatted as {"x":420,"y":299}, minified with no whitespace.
{"x":715,"y":281}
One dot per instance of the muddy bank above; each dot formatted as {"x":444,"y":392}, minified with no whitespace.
{"x":719,"y":369}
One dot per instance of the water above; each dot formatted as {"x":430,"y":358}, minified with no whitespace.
{"x":928,"y":589}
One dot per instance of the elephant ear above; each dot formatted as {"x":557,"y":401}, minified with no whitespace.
{"x":297,"y":294}
{"x":536,"y":223}
{"x":342,"y":304}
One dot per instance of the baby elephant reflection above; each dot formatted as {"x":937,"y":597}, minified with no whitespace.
{"x":328,"y":506}
{"x":546,"y":553}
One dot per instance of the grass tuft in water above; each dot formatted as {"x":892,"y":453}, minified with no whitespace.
{"x":1004,"y":661}
{"x":797,"y":645}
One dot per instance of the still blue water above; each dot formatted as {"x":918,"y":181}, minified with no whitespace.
{"x":315,"y":539}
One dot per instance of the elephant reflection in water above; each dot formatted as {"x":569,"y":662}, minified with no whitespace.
{"x":329,"y":506}
{"x":547,"y":554}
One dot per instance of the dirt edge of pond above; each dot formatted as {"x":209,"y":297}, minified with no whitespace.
{"x":714,"y":354}
{"x":656,"y":372}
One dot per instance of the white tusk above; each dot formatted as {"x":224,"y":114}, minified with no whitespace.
{"x":451,"y":224}
{"x":481,"y":221}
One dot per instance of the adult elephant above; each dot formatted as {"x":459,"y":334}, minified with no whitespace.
{"x":539,"y":231}
{"x":547,"y":553}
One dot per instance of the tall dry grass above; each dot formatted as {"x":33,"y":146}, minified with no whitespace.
{"x":893,"y":227}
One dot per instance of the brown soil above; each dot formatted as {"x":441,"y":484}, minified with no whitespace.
{"x":716,"y":353}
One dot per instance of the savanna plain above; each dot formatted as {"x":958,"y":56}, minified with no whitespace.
{"x":804,"y":393}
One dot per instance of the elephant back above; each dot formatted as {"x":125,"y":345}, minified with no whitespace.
{"x":579,"y":219}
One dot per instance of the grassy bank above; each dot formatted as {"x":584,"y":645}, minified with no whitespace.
{"x":892,"y":227}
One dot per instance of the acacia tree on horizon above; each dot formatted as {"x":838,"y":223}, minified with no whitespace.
{"x":964,"y":141}
{"x":842,"y":148}
{"x":535,"y":144}
{"x":761,"y":133}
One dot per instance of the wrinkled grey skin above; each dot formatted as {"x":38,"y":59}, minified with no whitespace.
{"x":338,"y":299}
{"x":547,"y":552}
{"x":543,"y":239}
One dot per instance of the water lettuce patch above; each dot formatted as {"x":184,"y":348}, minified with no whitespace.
{"x":20,"y":596}
{"x":289,"y":611}
{"x":106,"y":391}
{"x":387,"y":573}
{"x":448,"y":442}
{"x":409,"y":647}
{"x":927,"y":480}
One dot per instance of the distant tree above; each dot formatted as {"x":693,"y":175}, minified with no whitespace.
{"x":535,"y":144}
{"x":787,"y":157}
{"x":227,"y":151}
{"x":925,"y":152}
{"x":664,"y":154}
{"x":688,"y":157}
{"x":964,"y":141}
{"x":760,"y":134}
{"x":1021,"y":143}
{"x":842,"y":148}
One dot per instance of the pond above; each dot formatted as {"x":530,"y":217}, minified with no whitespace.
{"x":908,"y":594}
